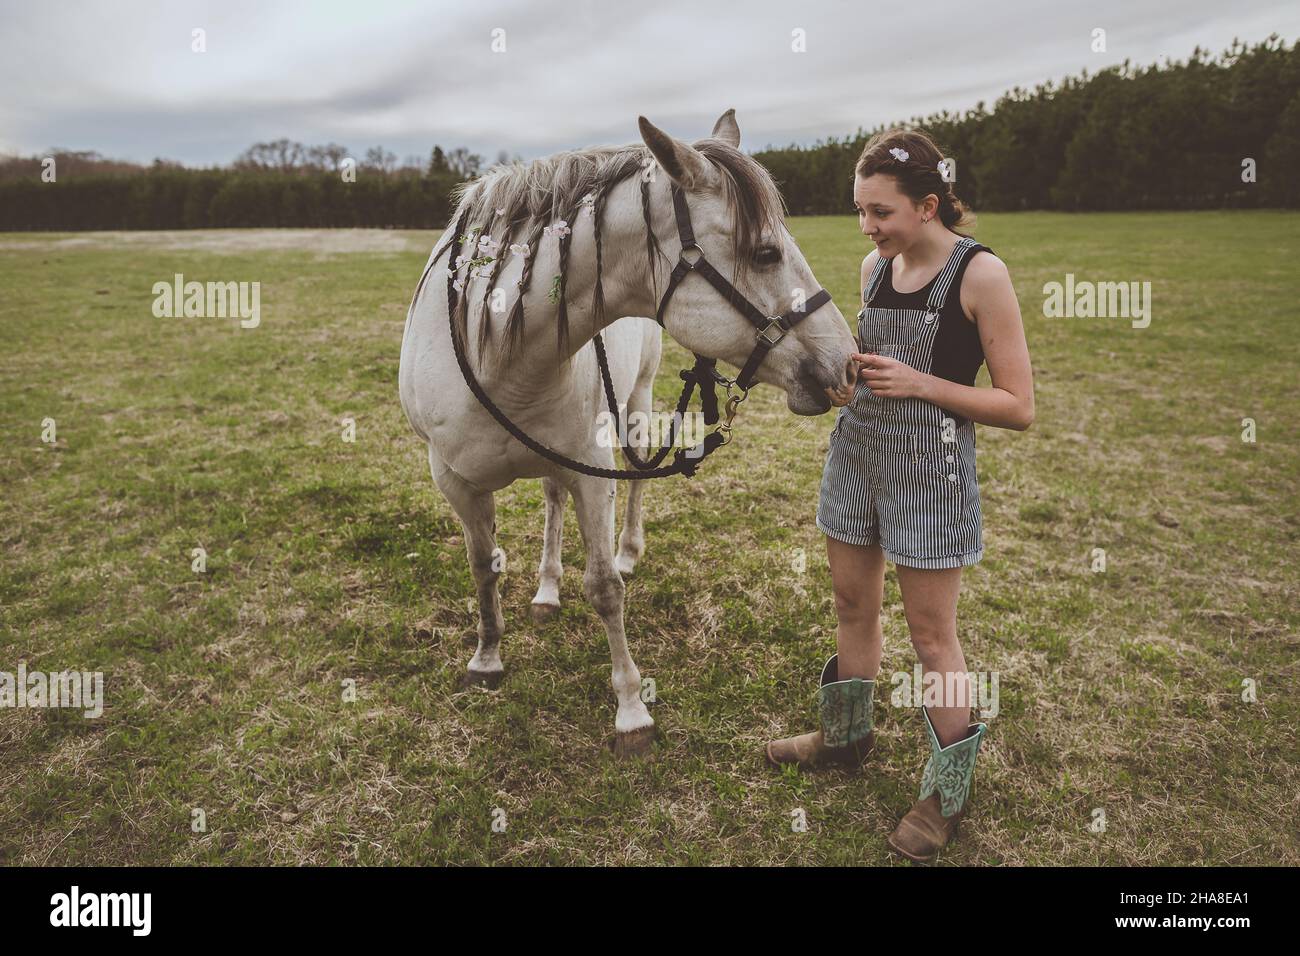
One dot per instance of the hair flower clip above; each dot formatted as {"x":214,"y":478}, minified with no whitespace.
{"x":899,"y":154}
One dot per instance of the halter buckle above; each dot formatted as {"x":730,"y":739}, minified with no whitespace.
{"x":766,"y":334}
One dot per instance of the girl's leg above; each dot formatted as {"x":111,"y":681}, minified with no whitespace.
{"x":930,"y":603}
{"x":930,"y":598}
{"x":847,"y":686}
{"x":858,"y":581}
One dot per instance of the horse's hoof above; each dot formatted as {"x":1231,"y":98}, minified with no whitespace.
{"x":488,"y":679}
{"x":626,"y":567}
{"x":634,"y":743}
{"x":544,"y":613}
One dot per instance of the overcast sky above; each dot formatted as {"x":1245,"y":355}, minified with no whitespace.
{"x":121,"y":77}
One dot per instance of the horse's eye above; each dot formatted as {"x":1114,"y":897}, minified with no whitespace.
{"x":767,"y":256}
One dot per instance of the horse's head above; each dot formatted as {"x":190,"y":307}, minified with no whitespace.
{"x":737,"y":215}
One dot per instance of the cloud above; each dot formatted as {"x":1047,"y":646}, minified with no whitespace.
{"x":122,"y":79}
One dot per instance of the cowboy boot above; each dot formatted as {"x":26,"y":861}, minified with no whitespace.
{"x":845,"y":736}
{"x":945,"y":786}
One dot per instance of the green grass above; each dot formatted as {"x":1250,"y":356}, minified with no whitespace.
{"x":330,"y":561}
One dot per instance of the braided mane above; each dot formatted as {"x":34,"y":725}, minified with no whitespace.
{"x":514,"y":202}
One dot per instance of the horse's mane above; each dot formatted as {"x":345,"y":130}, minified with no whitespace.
{"x":514,"y":202}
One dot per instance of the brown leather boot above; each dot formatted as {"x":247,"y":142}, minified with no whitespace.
{"x":945,"y":786}
{"x":845,"y":736}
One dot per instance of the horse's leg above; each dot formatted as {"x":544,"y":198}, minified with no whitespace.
{"x":477,"y":512}
{"x":546,"y":604}
{"x":631,"y":540}
{"x":603,"y":586}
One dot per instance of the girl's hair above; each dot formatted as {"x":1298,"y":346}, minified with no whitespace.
{"x":918,"y":175}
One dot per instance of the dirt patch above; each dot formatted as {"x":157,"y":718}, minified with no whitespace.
{"x":333,"y":242}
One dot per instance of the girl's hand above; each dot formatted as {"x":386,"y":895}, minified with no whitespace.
{"x":890,"y":378}
{"x":844,"y":394}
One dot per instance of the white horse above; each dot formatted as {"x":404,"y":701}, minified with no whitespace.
{"x":568,"y":218}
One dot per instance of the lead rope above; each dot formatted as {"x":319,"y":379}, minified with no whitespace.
{"x":704,"y":376}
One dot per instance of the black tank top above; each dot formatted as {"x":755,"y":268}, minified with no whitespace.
{"x":958,"y":352}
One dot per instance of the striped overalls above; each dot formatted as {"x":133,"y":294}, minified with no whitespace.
{"x":901,"y":472}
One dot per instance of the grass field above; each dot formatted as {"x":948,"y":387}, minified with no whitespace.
{"x":330,"y":561}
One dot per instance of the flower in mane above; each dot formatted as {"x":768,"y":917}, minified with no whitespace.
{"x":899,"y":154}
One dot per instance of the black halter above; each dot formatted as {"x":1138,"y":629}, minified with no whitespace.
{"x":705,"y":375}
{"x":771,"y":329}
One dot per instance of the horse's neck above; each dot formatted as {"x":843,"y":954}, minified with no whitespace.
{"x":625,"y":282}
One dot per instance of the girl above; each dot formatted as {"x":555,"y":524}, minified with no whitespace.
{"x":899,"y":480}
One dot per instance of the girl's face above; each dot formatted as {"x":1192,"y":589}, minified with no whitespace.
{"x":887,"y":216}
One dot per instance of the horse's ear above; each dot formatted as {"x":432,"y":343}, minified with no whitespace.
{"x":726,"y":129}
{"x":683,"y":163}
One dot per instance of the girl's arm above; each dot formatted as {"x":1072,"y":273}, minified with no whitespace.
{"x":987,"y":295}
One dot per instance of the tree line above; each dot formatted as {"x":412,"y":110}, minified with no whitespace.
{"x":1206,"y":132}
{"x":281,"y":183}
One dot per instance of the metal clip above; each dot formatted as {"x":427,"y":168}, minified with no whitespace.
{"x":733,"y":403}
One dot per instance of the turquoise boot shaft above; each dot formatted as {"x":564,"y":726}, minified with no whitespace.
{"x":950,"y":769}
{"x":845,"y":706}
